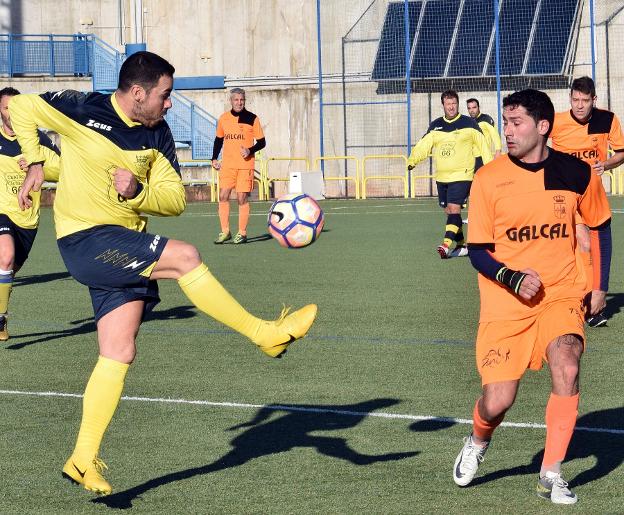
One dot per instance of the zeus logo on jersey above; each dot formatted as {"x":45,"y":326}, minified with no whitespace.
{"x":98,"y":125}
{"x":535,"y":232}
{"x":155,"y":243}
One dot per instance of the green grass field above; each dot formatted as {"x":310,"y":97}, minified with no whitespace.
{"x":211,"y":425}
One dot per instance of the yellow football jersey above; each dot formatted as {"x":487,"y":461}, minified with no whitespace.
{"x":12,"y":176}
{"x":96,"y":138}
{"x":455,"y":145}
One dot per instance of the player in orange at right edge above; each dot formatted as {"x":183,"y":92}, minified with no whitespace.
{"x":586,"y":132}
{"x":523,"y":209}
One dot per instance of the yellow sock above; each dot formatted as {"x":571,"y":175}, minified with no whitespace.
{"x":6,"y":285}
{"x":203,"y":290}
{"x":99,"y":403}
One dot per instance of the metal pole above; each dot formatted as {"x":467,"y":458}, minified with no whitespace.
{"x":344,"y":120}
{"x":497,"y":54}
{"x":593,"y":38}
{"x":608,"y":66}
{"x":52,"y":67}
{"x":408,"y":86}
{"x":320,"y":77}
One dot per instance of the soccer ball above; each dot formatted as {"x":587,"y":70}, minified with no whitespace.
{"x":295,"y":220}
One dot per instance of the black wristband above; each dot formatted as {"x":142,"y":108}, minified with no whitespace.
{"x":510,"y":278}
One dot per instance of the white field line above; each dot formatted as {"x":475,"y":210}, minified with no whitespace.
{"x":307,"y":409}
{"x":395,"y":212}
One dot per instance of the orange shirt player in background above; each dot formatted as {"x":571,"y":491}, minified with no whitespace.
{"x":237,"y":130}
{"x":587,"y":132}
{"x":523,"y":208}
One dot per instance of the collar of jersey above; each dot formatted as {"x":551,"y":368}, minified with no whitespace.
{"x":579,"y":121}
{"x":235,"y":114}
{"x":452,"y":119}
{"x":121,"y":114}
{"x":531,"y":167}
{"x":10,"y":138}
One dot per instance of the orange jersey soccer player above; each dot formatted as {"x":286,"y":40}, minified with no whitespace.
{"x":521,"y":240}
{"x":587,"y":133}
{"x":236,"y":131}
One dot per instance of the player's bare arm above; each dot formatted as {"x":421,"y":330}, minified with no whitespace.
{"x":613,"y":162}
{"x":32,"y":182}
{"x":216,"y":164}
{"x":125,"y":182}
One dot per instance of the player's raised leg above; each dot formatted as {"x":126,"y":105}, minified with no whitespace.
{"x":117,"y":331}
{"x":181,"y":261}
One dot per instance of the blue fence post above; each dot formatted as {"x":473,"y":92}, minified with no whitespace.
{"x":593,"y":39}
{"x":193,"y":130}
{"x":497,"y":51}
{"x":52,"y":67}
{"x":10,"y":55}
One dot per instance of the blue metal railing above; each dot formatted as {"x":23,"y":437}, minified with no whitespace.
{"x":45,"y":54}
{"x":85,"y":55}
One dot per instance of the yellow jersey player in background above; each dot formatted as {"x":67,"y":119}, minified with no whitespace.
{"x":588,"y":133}
{"x":486,"y":124}
{"x":18,"y":228}
{"x":456,"y":142}
{"x":118,"y":163}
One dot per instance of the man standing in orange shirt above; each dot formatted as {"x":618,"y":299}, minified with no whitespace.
{"x":587,"y":132}
{"x":523,"y":209}
{"x":240,"y":136}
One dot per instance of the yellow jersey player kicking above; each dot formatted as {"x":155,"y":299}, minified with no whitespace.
{"x":119,"y":162}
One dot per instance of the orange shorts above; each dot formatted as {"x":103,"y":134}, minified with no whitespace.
{"x":242,"y":180}
{"x":505,"y":349}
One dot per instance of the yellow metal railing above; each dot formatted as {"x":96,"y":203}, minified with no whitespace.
{"x":414,"y":178}
{"x":355,"y":179}
{"x":268,"y":180}
{"x":404,"y":177}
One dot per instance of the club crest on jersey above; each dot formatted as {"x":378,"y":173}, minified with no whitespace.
{"x":560,"y":208}
{"x":98,"y":125}
{"x":447,"y":149}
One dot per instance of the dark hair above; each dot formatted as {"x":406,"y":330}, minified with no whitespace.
{"x":584,"y":85}
{"x":449,"y":93}
{"x":537,"y":104}
{"x":144,"y":69}
{"x":473,"y":100}
{"x":8,"y":92}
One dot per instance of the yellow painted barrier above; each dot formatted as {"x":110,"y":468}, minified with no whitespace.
{"x":355,"y":179}
{"x":414,"y":178}
{"x":268,"y":180}
{"x":404,"y":177}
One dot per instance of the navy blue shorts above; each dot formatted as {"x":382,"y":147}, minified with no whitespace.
{"x":23,"y":239}
{"x":453,"y":192}
{"x":109,"y":259}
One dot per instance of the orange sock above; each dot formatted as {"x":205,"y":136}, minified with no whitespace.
{"x":481,"y":428}
{"x":224,"y":215}
{"x":243,"y":217}
{"x":561,"y":415}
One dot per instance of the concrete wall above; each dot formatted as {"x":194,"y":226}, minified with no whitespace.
{"x":269,"y":47}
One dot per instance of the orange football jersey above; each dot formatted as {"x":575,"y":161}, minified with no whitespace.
{"x":525,"y":214}
{"x":590,"y":140}
{"x":238,"y":130}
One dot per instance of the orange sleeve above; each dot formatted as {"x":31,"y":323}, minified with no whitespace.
{"x":257,"y":129}
{"x":593,"y":204}
{"x":481,"y":226}
{"x":220,"y":131}
{"x":616,"y":138}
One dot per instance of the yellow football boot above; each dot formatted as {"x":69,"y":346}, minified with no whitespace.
{"x":91,"y":477}
{"x":274,"y":337}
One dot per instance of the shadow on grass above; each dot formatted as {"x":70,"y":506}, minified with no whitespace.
{"x":265,"y":435}
{"x":23,"y":280}
{"x":87,"y":325}
{"x":615,"y":303}
{"x":591,"y":439}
